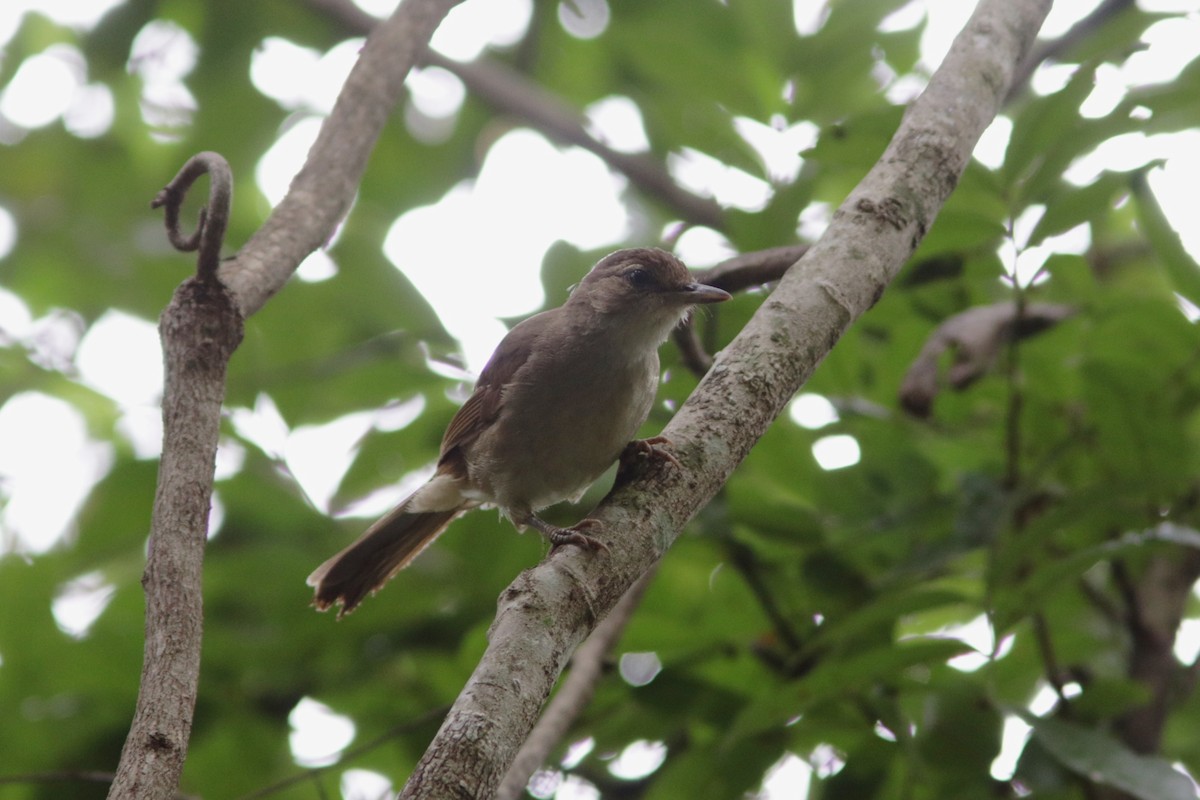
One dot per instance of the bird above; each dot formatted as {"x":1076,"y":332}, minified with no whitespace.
{"x":560,"y":399}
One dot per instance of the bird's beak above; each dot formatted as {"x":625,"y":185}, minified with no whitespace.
{"x":697,"y":293}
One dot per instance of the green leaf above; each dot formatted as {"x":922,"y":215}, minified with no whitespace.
{"x":1183,"y":270}
{"x":841,"y":676}
{"x":1098,"y":757}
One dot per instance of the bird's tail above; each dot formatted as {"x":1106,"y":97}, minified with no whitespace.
{"x":373,"y":558}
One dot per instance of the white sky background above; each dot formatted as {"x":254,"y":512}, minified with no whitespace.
{"x":529,"y":193}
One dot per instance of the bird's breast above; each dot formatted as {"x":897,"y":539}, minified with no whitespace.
{"x":563,"y":422}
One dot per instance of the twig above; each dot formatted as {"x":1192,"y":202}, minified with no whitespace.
{"x":510,"y":92}
{"x":745,"y":562}
{"x":1051,"y":50}
{"x":507,"y":90}
{"x":214,"y":216}
{"x":73,"y":776}
{"x":1045,"y":645}
{"x":1012,"y":422}
{"x":733,"y":275}
{"x":349,"y":755}
{"x":753,"y":269}
{"x":587,"y":666}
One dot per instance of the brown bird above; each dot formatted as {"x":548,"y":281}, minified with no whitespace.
{"x":564,"y":393}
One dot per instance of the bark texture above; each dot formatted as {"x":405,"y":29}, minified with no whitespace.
{"x":200,"y":330}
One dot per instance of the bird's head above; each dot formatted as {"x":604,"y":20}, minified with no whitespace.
{"x":644,"y":283}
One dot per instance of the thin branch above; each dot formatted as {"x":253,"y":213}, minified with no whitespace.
{"x":733,"y":275}
{"x":744,"y":561}
{"x":347,"y":14}
{"x":587,"y":667}
{"x":1045,"y":646}
{"x":1051,"y":50}
{"x":550,"y":609}
{"x":753,"y":269}
{"x":691,"y":349}
{"x":1158,"y":596}
{"x":73,"y":776}
{"x":349,"y":755}
{"x":1016,"y":398}
{"x":321,"y":193}
{"x":214,"y":216}
{"x":510,"y":92}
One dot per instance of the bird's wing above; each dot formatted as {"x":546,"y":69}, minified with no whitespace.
{"x":483,"y":406}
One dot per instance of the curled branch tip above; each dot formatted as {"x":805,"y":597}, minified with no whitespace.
{"x":214,"y":217}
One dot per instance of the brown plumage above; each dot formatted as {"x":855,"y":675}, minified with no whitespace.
{"x":560,"y":398}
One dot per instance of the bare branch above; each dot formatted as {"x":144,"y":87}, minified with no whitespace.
{"x":200,"y":329}
{"x":1157,"y":600}
{"x":753,"y":269}
{"x":1053,"y":671}
{"x":349,"y":755}
{"x":321,"y":193}
{"x":691,"y":349}
{"x":510,"y":92}
{"x":587,"y":667}
{"x":72,"y":776}
{"x":1051,"y":50}
{"x":976,"y":336}
{"x":733,"y":275}
{"x":214,"y":217}
{"x":507,"y":90}
{"x":549,"y":610}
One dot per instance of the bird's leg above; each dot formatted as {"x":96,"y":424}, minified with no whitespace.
{"x":640,"y":452}
{"x":573,"y":535}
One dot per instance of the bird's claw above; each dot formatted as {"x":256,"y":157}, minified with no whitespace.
{"x":575,"y":535}
{"x":640,"y":452}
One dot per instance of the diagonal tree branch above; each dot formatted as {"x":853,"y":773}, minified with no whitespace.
{"x":550,"y":609}
{"x":510,"y":92}
{"x":321,"y":193}
{"x":1055,"y":48}
{"x":733,"y":275}
{"x":587,"y":667}
{"x":507,"y":90}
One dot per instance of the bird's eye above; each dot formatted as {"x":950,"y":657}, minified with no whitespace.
{"x":639,"y":278}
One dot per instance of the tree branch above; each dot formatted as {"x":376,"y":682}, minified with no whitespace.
{"x":507,"y":90}
{"x":548,"y":610}
{"x":200,"y":329}
{"x":734,"y":275}
{"x":214,"y":217}
{"x":347,"y":756}
{"x":321,"y":193}
{"x":1052,"y":50}
{"x":587,"y":667}
{"x":1156,"y":600}
{"x":72,"y":776}
{"x":510,"y":92}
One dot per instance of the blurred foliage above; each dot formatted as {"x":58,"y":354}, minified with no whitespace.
{"x":800,"y":612}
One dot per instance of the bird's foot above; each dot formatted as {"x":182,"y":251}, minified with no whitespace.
{"x":641,"y":452}
{"x":573,"y":535}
